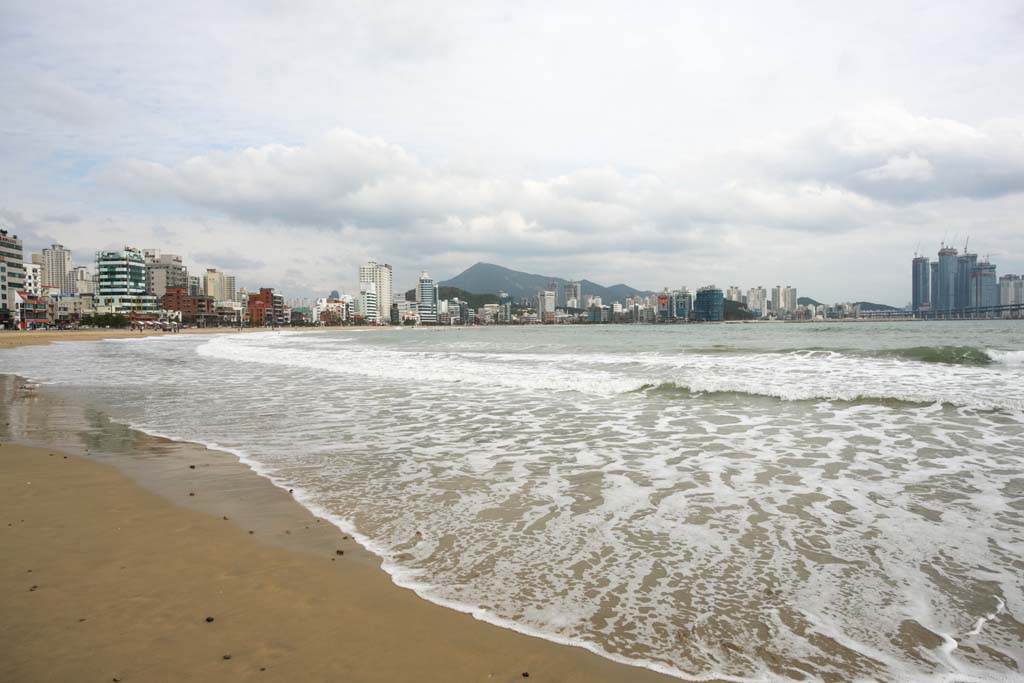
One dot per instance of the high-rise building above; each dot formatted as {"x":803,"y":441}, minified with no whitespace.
{"x":56,"y":268}
{"x":965,"y":265}
{"x":984,"y":291}
{"x":33,"y":278}
{"x":1011,"y":290}
{"x":164,"y":271}
{"x":367,"y":302}
{"x":546,"y":305}
{"x":757,"y":301}
{"x":946,"y":288}
{"x":426,"y":299}
{"x":933,"y":299}
{"x":681,"y":304}
{"x":121,"y":282}
{"x":709,"y":305}
{"x":12,"y":253}
{"x":215,"y":284}
{"x":231,"y":290}
{"x":380,"y":274}
{"x":195,"y":285}
{"x":574,"y":294}
{"x":921,"y":283}
{"x":734,"y":294}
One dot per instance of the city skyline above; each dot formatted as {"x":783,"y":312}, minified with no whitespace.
{"x":670,"y":142}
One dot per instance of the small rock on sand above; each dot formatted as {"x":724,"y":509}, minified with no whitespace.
{"x":209,"y":620}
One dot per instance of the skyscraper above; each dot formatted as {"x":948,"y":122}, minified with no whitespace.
{"x":984,"y":289}
{"x":1011,"y":290}
{"x":921,"y":283}
{"x":709,"y":305}
{"x":573,"y":294}
{"x":380,"y":274}
{"x":426,"y":298}
{"x":215,"y":284}
{"x":934,"y":285}
{"x":946,"y":300}
{"x":57,"y":267}
{"x":734,"y":294}
{"x":546,"y":305}
{"x":965,"y":265}
{"x":757,"y":301}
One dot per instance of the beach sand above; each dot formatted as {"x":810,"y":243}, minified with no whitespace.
{"x":13,"y":338}
{"x":109,"y":573}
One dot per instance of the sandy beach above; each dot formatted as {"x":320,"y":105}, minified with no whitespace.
{"x":10,"y":339}
{"x":118,"y":548}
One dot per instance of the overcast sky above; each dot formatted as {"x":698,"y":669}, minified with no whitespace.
{"x":810,"y":144}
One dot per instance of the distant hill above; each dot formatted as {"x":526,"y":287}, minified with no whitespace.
{"x":445,"y":292}
{"x":734,"y":310}
{"x":807,"y":301}
{"x":490,"y":278}
{"x":869,"y":306}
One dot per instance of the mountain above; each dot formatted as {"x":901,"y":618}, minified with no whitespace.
{"x":490,"y":279}
{"x":869,"y":306}
{"x":807,"y":301}
{"x":446,"y":292}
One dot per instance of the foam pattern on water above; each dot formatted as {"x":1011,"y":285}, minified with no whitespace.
{"x":811,"y":515}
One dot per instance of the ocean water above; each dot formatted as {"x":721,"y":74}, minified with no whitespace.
{"x":773,"y":502}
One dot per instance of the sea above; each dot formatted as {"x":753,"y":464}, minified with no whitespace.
{"x":744,"y":502}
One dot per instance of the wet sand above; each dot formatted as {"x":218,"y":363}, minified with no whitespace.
{"x":109,"y":573}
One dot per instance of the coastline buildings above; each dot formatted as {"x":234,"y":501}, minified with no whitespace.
{"x":921,"y":288}
{"x":12,"y":254}
{"x":121,"y":283}
{"x":57,"y":267}
{"x":163,"y":272}
{"x":955,"y":282}
{"x":573,"y":294}
{"x":946,"y":284}
{"x":709,"y":304}
{"x":380,"y":276}
{"x":218,"y":286}
{"x":34,"y":278}
{"x":426,"y":299}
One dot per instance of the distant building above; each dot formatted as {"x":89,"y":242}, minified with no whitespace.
{"x":367,"y":303}
{"x":380,"y":274}
{"x":946,"y":289}
{"x":965,"y":265}
{"x":933,"y":286}
{"x":56,"y":268}
{"x":734,"y":294}
{"x":121,"y":283}
{"x":681,"y":303}
{"x":426,"y":299}
{"x":195,"y":285}
{"x":574,"y":294}
{"x":85,"y":281}
{"x":546,"y":305}
{"x":216,"y":286}
{"x":12,"y":253}
{"x":984,"y":286}
{"x":757,"y":301}
{"x":33,"y":278}
{"x":709,"y":304}
{"x":265,"y":309}
{"x":194,"y":310}
{"x":921,"y":283}
{"x":163,"y":272}
{"x":1011,"y":290}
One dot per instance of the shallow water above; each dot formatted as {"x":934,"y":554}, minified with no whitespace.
{"x":757,"y":502}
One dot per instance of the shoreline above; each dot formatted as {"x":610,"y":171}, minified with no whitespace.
{"x":188,"y":485}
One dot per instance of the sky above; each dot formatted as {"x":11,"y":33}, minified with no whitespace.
{"x":817,"y":145}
